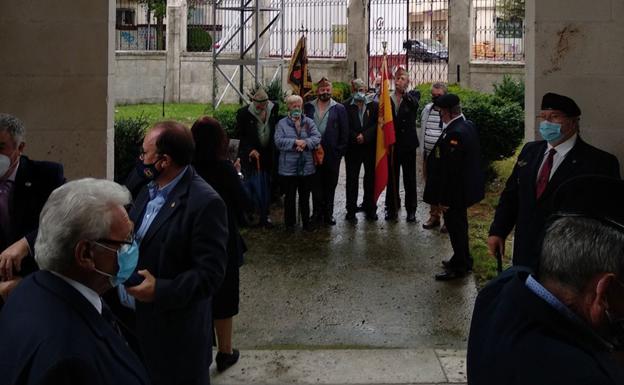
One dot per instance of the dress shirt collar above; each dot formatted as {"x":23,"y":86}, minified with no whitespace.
{"x":460,"y":116}
{"x":165,"y":190}
{"x":563,"y":148}
{"x":14,"y":173}
{"x":86,"y":292}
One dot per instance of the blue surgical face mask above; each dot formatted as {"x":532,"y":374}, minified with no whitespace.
{"x":127,"y":259}
{"x":295,"y":113}
{"x":551,"y":132}
{"x":359,"y":97}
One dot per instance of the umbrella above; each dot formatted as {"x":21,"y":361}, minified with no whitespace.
{"x":257,"y":184}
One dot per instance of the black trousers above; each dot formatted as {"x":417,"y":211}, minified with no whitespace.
{"x":456,"y":221}
{"x":355,"y":158}
{"x":406,"y":161}
{"x":323,"y":191}
{"x":292,"y":185}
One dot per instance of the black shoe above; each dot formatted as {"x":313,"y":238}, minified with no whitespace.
{"x":330,"y":220}
{"x":372,"y":217}
{"x":351,"y":217}
{"x":446,"y":263}
{"x":225,"y":360}
{"x":448,"y":275}
{"x":266,"y":223}
{"x":360,"y":208}
{"x":391,"y":216}
{"x":411,"y":217}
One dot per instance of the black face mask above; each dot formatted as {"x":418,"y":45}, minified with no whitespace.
{"x":325,"y":97}
{"x":434,"y":98}
{"x":147,"y":171}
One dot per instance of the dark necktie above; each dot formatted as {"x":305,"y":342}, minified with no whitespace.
{"x":544,"y":175}
{"x":109,"y":317}
{"x":5,"y":191}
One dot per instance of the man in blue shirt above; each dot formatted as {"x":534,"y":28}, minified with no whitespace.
{"x":564,"y":325}
{"x":182,"y":232}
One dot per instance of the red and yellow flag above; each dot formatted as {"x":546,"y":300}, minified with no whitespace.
{"x":385,"y":133}
{"x":298,"y":73}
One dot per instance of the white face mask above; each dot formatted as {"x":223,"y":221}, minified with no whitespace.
{"x":5,"y":163}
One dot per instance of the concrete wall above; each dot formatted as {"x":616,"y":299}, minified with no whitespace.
{"x":140,"y":77}
{"x":575,"y":48}
{"x":55,"y":67}
{"x":482,"y":76}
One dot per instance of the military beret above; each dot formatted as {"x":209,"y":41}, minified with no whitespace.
{"x":552,"y":101}
{"x":447,"y":101}
{"x":592,"y":196}
{"x":324,"y":82}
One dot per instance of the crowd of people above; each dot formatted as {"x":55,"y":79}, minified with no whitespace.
{"x":109,"y":284}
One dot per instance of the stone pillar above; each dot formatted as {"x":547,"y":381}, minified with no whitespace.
{"x":460,"y":25}
{"x":357,"y":35}
{"x":176,"y":11}
{"x":56,"y":76}
{"x":574,"y":48}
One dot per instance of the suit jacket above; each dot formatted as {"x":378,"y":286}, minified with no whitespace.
{"x":517,"y":338}
{"x":52,"y":335}
{"x":405,"y":121}
{"x":454,"y":173}
{"x":34,"y":181}
{"x":518,"y":205}
{"x":249,"y":139}
{"x":368,"y":128}
{"x":336,"y":136}
{"x":185,"y":249}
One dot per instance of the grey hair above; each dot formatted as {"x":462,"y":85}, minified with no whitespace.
{"x":293,"y":99}
{"x":440,"y":86}
{"x":574,"y":249}
{"x":78,"y":210}
{"x":13,"y":126}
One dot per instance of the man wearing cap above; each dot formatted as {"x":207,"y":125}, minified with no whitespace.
{"x":541,"y":168}
{"x":455,"y":181}
{"x":361,"y":150}
{"x":256,"y":125}
{"x":404,"y":114}
{"x":563,"y":325}
{"x":331,"y":120}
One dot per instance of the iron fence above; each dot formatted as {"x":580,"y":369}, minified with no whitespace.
{"x":137,"y":27}
{"x":323,"y":21}
{"x":498,"y":30}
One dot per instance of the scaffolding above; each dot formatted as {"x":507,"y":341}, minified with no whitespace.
{"x":252,"y":56}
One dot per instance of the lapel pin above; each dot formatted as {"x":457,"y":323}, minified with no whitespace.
{"x":27,"y":184}
{"x":573,"y":161}
{"x":172,"y":204}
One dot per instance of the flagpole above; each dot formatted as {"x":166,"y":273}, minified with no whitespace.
{"x":393,"y":181}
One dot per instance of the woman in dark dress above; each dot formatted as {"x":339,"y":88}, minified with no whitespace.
{"x":211,"y":163}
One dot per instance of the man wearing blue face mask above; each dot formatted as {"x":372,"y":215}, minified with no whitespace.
{"x":361,"y":150}
{"x":541,"y":168}
{"x":55,"y":328}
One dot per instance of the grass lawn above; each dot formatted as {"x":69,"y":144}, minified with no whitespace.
{"x":185,"y":113}
{"x":480,"y":217}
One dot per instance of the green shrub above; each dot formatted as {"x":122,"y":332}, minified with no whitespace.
{"x":275,"y":91}
{"x":511,"y":90}
{"x":341,"y":91}
{"x":128,"y":140}
{"x":226,"y":115}
{"x":499,"y":121}
{"x":198,"y":40}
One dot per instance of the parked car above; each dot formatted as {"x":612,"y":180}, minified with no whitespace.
{"x":426,"y":50}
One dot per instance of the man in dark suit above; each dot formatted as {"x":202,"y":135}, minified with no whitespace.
{"x":455,"y":181}
{"x":24,"y":188}
{"x":361,"y":150}
{"x":54,"y":328}
{"x":563,"y":325}
{"x":331,"y":120}
{"x":181,"y":227}
{"x":256,"y":125}
{"x":541,"y":168}
{"x":404,"y":115}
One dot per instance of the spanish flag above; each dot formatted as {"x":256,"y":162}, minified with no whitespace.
{"x":298,"y":74}
{"x":385,"y":133}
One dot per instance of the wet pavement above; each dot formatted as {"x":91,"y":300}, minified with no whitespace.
{"x":368,"y":285}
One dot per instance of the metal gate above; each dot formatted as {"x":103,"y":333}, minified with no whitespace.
{"x":416,"y":32}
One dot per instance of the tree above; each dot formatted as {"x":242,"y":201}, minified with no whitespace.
{"x":159,"y":9}
{"x":510,"y":9}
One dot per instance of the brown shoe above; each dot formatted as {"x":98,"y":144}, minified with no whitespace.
{"x":432,"y":223}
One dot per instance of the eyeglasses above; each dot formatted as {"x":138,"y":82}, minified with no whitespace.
{"x":123,"y":245}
